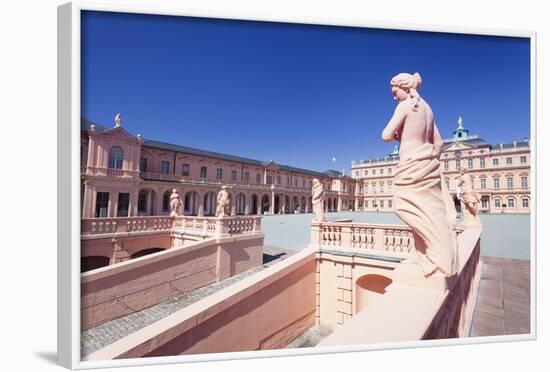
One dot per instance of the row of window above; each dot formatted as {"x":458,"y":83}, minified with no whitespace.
{"x":186,"y":169}
{"x":374,"y":172}
{"x":379,"y":204}
{"x":102,"y":204}
{"x":496,"y":183}
{"x":511,"y":203}
{"x":470,"y":162}
{"x":380,"y":187}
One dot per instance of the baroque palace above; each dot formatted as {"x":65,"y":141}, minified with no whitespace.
{"x":500,"y":173}
{"x":125,"y":175}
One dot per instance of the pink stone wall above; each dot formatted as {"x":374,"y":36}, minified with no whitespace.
{"x":264,"y":311}
{"x":114,"y":291}
{"x":267,"y":319}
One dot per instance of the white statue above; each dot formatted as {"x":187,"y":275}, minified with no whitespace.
{"x":118,"y":120}
{"x":175,"y":202}
{"x":317,"y":200}
{"x":223,"y":202}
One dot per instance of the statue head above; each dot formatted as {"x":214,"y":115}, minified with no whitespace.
{"x":174,"y":191}
{"x":404,"y":86}
{"x":462,"y":170}
{"x":314,"y":181}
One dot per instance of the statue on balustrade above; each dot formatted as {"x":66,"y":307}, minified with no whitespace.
{"x":222,"y":209}
{"x":175,"y":203}
{"x":418,"y":197}
{"x":318,"y":200}
{"x":469,"y":200}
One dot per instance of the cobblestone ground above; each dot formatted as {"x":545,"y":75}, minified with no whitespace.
{"x":310,"y":338}
{"x":98,"y":337}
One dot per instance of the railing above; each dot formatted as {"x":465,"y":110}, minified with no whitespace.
{"x":203,"y":226}
{"x":116,"y":225}
{"x":362,"y":237}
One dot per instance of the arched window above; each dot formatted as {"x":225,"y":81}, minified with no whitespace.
{"x":116,"y":156}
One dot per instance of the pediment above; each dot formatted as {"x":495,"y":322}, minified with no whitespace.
{"x":458,"y":146}
{"x":118,"y":133}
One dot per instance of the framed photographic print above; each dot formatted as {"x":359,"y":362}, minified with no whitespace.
{"x":252,"y":187}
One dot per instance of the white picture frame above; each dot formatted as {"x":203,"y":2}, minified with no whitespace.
{"x":69,"y":185}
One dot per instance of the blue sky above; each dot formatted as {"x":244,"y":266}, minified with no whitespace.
{"x":297,"y":94}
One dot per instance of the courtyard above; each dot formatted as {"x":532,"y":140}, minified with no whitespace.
{"x":506,"y":236}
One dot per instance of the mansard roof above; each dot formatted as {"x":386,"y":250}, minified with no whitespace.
{"x":86,"y":124}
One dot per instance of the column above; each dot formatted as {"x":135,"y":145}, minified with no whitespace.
{"x":234,"y":204}
{"x":158,"y":204}
{"x":200,"y":212}
{"x":133,"y":207}
{"x":356,"y":203}
{"x":339,"y":204}
{"x":272,"y":205}
{"x":87,"y":203}
{"x":113,"y":198}
{"x":283,"y":203}
{"x":247,"y":204}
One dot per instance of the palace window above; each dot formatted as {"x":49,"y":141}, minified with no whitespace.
{"x":381,"y":186}
{"x":483,"y":183}
{"x":390,"y":203}
{"x":381,"y":204}
{"x":185,"y":169}
{"x":523,"y":159}
{"x":390,"y":186}
{"x":219,"y":173}
{"x":495,"y":162}
{"x":497,"y":203}
{"x":511,"y":203}
{"x":482,"y":162}
{"x":508,"y":161}
{"x":510,"y":182}
{"x":142,"y":201}
{"x":457,"y":164}
{"x":374,"y":171}
{"x":374,"y":203}
{"x":304,"y":184}
{"x":389,"y":170}
{"x":446,"y":164}
{"x":288,"y":181}
{"x":269,"y":180}
{"x":116,"y":157}
{"x":525,"y":202}
{"x":233,"y":175}
{"x":123,"y":204}
{"x":295,"y":182}
{"x":470,"y":163}
{"x":366,"y":172}
{"x":143,"y":165}
{"x":278,"y":180}
{"x":166,"y":201}
{"x":165,"y":167}
{"x":204,"y":172}
{"x":366,"y":189}
{"x":382,"y":171}
{"x":496,"y":183}
{"x":356,"y":173}
{"x":524,"y":182}
{"x":246,"y":177}
{"x":484,"y":203}
{"x":258,"y":179}
{"x":101,"y":204}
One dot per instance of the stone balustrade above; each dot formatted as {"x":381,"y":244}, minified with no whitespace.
{"x":351,"y":236}
{"x":203,"y":226}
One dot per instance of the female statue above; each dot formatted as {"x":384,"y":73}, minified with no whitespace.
{"x":418,"y":197}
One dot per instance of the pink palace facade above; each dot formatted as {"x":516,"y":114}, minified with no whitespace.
{"x":500,"y":173}
{"x":125,"y":175}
